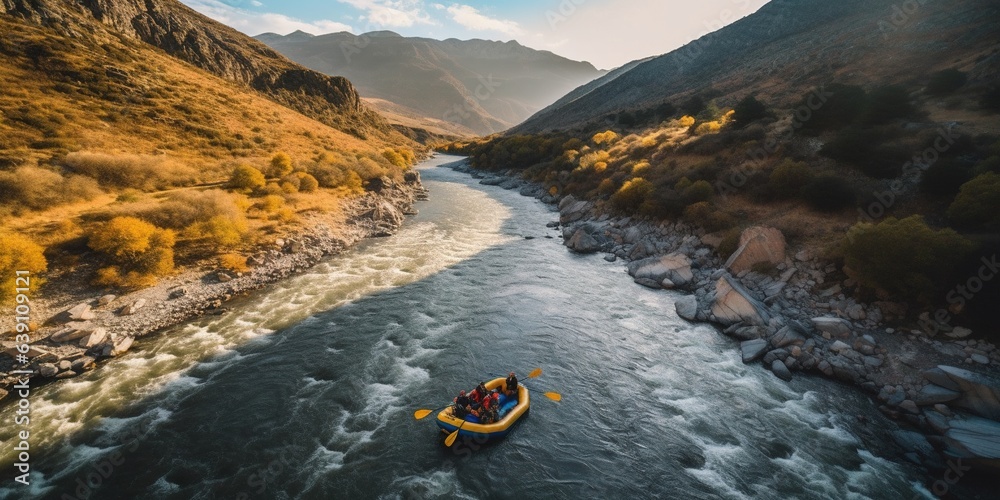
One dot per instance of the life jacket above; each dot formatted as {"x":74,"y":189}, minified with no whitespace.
{"x":511,"y":383}
{"x":476,"y":395}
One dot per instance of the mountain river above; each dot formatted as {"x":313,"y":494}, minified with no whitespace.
{"x":307,"y":388}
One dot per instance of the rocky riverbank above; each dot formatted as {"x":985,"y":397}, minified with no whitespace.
{"x":794,"y":313}
{"x":80,"y":325}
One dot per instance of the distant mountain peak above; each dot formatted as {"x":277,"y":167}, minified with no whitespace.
{"x":299,"y":34}
{"x":383,"y":34}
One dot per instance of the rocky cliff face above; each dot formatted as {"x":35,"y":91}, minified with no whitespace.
{"x":213,"y":47}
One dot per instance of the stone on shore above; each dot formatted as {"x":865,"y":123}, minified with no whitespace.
{"x":933,"y":394}
{"x":757,"y":245}
{"x":687,"y":307}
{"x":583,"y":242}
{"x":81,"y":312}
{"x":836,"y":327}
{"x":133,"y":307}
{"x":95,"y":337}
{"x":84,"y":364}
{"x":787,"y":336}
{"x":752,"y":350}
{"x":572,"y":210}
{"x":980,"y":393}
{"x":74,"y":331}
{"x":778,"y":368}
{"x":734,"y":304}
{"x":105,"y":300}
{"x":3,"y":394}
{"x":48,"y":370}
{"x":979,"y":436}
{"x":116,"y":347}
{"x":674,"y":267}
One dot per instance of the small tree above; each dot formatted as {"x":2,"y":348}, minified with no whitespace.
{"x":280,"y":166}
{"x":18,"y":253}
{"x":246,"y":178}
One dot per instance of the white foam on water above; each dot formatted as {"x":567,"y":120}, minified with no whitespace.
{"x":436,"y":484}
{"x":162,"y":487}
{"x":717,"y":482}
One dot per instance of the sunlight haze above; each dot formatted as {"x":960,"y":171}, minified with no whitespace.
{"x":606,"y":33}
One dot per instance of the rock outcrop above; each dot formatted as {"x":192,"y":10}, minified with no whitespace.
{"x":757,"y":245}
{"x":734,"y":304}
{"x":666,"y":271}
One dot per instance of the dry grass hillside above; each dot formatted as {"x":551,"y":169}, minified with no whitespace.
{"x":96,"y":126}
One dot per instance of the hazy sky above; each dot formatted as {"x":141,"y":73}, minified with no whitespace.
{"x":608,"y":33}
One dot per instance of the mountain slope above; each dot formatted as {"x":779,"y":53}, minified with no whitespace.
{"x":214,"y":47}
{"x":788,"y":46}
{"x":478,"y":85}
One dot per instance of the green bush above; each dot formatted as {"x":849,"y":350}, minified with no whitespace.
{"x":788,"y":179}
{"x":708,"y":217}
{"x":38,"y":188}
{"x":842,"y":108}
{"x":748,"y":110}
{"x":631,"y":195}
{"x":888,"y":103}
{"x":138,"y":252}
{"x":280,"y":165}
{"x":978,"y":203}
{"x":697,"y":192}
{"x":18,"y":253}
{"x":905,"y":258}
{"x":945,"y":82}
{"x":246,"y":178}
{"x":144,"y":172}
{"x":307,"y":183}
{"x":828,"y":193}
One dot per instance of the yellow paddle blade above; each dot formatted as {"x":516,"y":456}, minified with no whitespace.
{"x":419,"y":414}
{"x":450,"y":440}
{"x":554,"y":396}
{"x":534,"y":373}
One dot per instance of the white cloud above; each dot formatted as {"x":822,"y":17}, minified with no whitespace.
{"x":255,"y":23}
{"x":470,"y":18}
{"x":391,"y":13}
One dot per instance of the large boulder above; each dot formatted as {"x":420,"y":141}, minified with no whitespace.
{"x":74,"y":331}
{"x":734,"y":304}
{"x":95,"y":337}
{"x":572,"y":210}
{"x":674,"y":267}
{"x":978,"y":436}
{"x":687,"y":307}
{"x":980,"y":393}
{"x":757,"y":244}
{"x":583,"y":242}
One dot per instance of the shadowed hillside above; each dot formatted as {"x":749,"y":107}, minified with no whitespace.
{"x":475,"y":85}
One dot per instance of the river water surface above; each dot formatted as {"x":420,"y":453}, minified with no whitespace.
{"x":307,"y":388}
